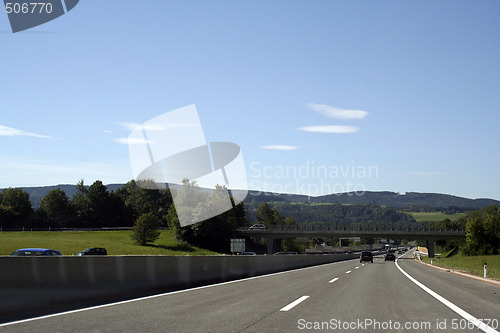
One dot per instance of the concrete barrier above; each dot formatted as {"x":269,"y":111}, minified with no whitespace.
{"x":28,"y":283}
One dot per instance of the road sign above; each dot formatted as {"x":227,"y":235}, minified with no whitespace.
{"x":237,"y":245}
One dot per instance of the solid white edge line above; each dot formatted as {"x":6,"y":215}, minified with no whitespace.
{"x":294,"y":303}
{"x":161,"y":295}
{"x":481,"y":325}
{"x":333,"y":280}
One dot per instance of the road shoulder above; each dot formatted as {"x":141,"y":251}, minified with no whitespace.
{"x":461,"y":273}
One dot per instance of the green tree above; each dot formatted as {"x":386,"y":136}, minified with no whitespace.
{"x":213,"y":233}
{"x":266,"y":215}
{"x":81,"y":204}
{"x":367,"y":240}
{"x":492,"y":231}
{"x":290,"y":244}
{"x":7,"y":216}
{"x":145,"y":229}
{"x":18,"y":199}
{"x":483,"y":231}
{"x":57,"y":208}
{"x":99,"y":204}
{"x":96,"y":207}
{"x":142,"y":197}
{"x":17,"y":207}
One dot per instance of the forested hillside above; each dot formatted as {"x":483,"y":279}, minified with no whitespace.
{"x":385,"y":198}
{"x":335,"y":213}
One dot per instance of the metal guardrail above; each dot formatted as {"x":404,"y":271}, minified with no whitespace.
{"x":70,"y":229}
{"x":322,"y":227}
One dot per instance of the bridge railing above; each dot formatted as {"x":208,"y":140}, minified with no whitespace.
{"x":331,"y":227}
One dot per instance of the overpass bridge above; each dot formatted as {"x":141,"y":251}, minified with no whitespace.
{"x":276,"y":233}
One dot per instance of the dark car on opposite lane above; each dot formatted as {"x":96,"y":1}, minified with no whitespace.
{"x":93,"y":251}
{"x":35,"y":252}
{"x":246,"y":253}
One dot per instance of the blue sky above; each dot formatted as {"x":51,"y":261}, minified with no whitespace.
{"x":356,"y":95}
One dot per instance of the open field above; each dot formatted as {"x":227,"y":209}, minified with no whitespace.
{"x":469,"y":264}
{"x":115,"y":242}
{"x":434,"y":216}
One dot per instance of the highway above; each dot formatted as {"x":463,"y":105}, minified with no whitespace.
{"x":345,"y":296}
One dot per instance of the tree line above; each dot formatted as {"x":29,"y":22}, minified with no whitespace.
{"x":340,"y":214}
{"x":90,"y":207}
{"x":482,"y":228}
{"x":138,"y":204}
{"x":95,"y":207}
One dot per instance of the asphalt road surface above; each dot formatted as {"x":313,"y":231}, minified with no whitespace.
{"x":340,"y":297}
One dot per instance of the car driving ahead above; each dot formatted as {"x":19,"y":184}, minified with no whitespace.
{"x":390,"y":256}
{"x":366,"y":256}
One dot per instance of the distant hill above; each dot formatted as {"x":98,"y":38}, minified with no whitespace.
{"x":37,"y":193}
{"x":318,"y":213}
{"x":384,"y":198}
{"x":409,"y":199}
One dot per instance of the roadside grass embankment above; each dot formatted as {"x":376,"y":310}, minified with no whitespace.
{"x":469,"y":264}
{"x":115,"y":242}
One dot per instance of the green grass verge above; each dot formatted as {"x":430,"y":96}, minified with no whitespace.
{"x":471,"y":264}
{"x":115,"y":242}
{"x":434,"y":216}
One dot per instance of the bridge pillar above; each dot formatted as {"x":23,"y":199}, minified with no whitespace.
{"x":273,"y":245}
{"x":430,"y":248}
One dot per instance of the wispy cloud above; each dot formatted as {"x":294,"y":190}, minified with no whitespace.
{"x":133,"y":126}
{"x":279,"y":147}
{"x":337,"y":113}
{"x":425,"y":173}
{"x":132,"y":141}
{"x":155,"y":127}
{"x":9,"y":131}
{"x":329,"y":129}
